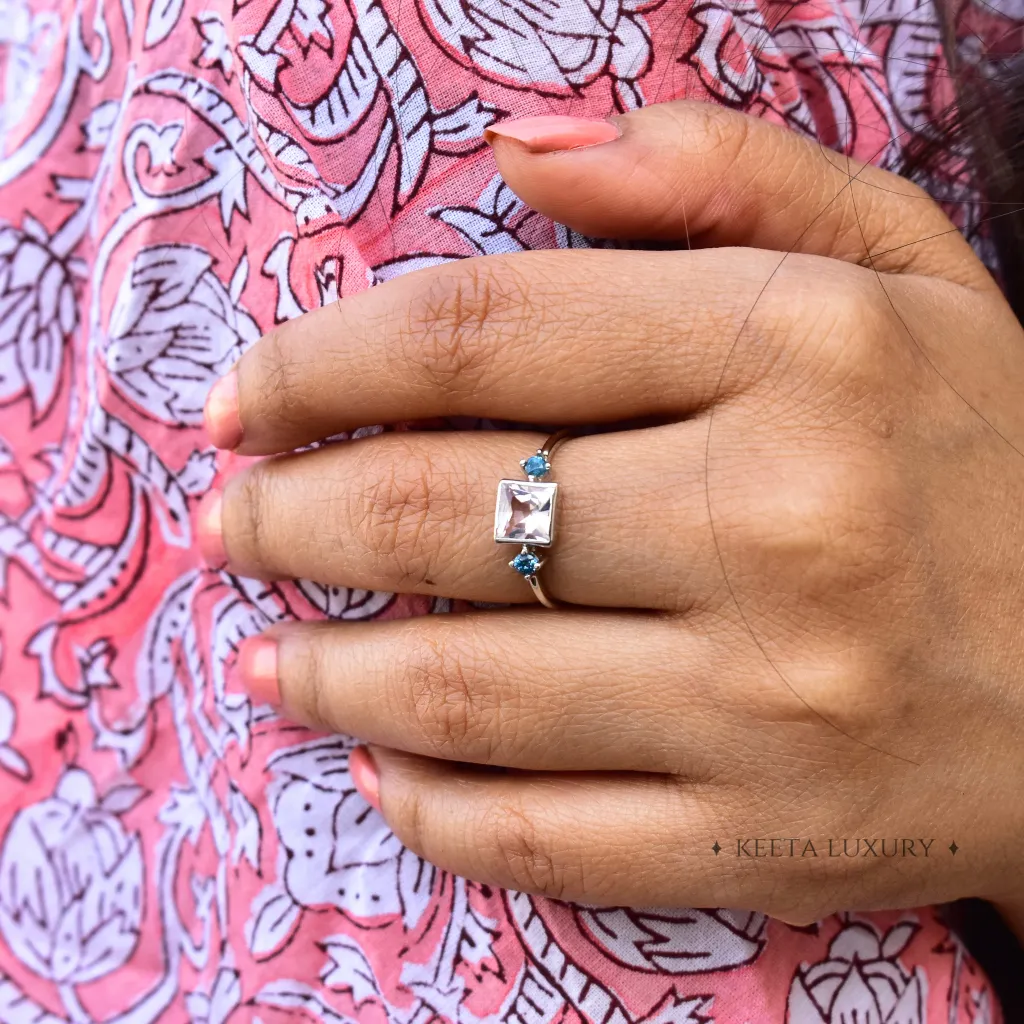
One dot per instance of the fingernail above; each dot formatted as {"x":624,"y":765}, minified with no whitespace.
{"x":209,"y":530}
{"x":257,"y":667}
{"x":220,"y":414}
{"x":553,"y":132}
{"x":365,"y":776}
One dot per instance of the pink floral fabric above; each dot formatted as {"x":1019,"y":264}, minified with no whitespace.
{"x":177,"y":176}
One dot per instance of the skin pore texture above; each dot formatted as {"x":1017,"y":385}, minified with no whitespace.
{"x":797,"y":591}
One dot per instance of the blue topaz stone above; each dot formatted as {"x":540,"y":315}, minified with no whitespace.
{"x":536,"y":465}
{"x":525,"y":563}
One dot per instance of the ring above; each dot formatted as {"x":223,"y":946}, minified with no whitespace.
{"x":525,"y":514}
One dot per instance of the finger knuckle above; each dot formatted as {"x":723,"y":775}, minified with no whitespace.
{"x":253,"y":536}
{"x":909,"y":213}
{"x":282,"y":382}
{"x":454,"y":322}
{"x":521,"y":856}
{"x":728,"y":137}
{"x":852,"y":332}
{"x":850,"y":704}
{"x":397,"y":514}
{"x":410,"y":817}
{"x":790,"y":528}
{"x":836,"y":530}
{"x":837,"y":704}
{"x":811,"y":529}
{"x":310,"y":687}
{"x":717,"y":134}
{"x":442,"y":681}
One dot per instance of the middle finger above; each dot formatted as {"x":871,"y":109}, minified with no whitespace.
{"x":581,"y":337}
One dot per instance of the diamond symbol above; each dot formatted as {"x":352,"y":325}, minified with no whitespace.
{"x":716,"y":848}
{"x":525,"y":512}
{"x":953,"y":847}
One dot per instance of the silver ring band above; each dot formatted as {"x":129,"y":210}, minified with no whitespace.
{"x":525,"y":514}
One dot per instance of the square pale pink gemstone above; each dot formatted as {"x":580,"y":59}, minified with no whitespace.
{"x":525,"y":513}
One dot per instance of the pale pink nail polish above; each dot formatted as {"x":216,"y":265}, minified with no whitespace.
{"x":257,"y":667}
{"x":220,"y":414}
{"x":365,"y":776}
{"x":550,"y":133}
{"x":209,"y":530}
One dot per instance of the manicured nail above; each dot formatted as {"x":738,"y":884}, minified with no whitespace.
{"x":365,"y":776}
{"x":209,"y":530}
{"x":550,"y":133}
{"x":257,"y":667}
{"x":220,"y":415}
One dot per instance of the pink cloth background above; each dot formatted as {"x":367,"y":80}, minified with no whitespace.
{"x":175,"y":177}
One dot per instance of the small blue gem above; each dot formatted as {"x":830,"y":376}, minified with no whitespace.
{"x":525,"y":563}
{"x":536,"y":465}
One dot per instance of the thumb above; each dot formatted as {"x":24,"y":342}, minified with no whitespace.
{"x":689,"y":171}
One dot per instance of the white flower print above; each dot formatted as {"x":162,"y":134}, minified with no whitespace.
{"x":861,"y":980}
{"x":71,"y":881}
{"x":337,"y":851}
{"x":555,"y":47}
{"x":174,"y":330}
{"x":28,"y":36}
{"x":38,"y":312}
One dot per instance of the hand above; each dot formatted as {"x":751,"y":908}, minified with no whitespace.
{"x":798,"y":598}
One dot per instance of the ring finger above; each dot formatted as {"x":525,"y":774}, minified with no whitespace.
{"x":414,"y":513}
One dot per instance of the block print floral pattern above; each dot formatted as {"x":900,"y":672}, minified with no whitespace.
{"x":177,"y":176}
